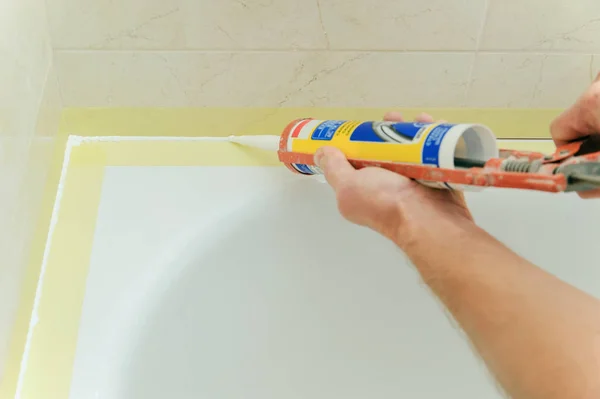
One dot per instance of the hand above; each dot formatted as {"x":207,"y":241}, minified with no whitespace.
{"x":388,"y":203}
{"x":580,"y":120}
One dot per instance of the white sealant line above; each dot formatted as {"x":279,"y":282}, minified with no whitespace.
{"x":73,"y":141}
{"x":95,"y":139}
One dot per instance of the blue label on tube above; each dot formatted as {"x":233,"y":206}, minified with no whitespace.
{"x":431,"y":147}
{"x":304,"y":169}
{"x":326,"y":130}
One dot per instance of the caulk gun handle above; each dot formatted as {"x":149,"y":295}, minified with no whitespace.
{"x":589,"y":144}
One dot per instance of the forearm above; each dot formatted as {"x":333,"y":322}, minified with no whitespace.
{"x":538,"y":335}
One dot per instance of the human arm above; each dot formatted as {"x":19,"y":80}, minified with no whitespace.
{"x":538,"y":335}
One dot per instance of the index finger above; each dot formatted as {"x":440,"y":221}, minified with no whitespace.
{"x":393,"y":116}
{"x":564,"y":128}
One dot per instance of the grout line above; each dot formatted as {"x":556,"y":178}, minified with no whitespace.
{"x":58,"y":82}
{"x":486,"y":9}
{"x":321,"y":50}
{"x":484,"y":18}
{"x":39,"y":105}
{"x":325,"y":34}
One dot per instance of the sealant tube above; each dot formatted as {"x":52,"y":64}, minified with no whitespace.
{"x":432,"y":144}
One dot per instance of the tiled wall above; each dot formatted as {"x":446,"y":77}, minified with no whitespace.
{"x":477,"y":53}
{"x":29,"y":108}
{"x":197,"y":53}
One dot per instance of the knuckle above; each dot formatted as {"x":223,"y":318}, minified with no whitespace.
{"x":591,"y":100}
{"x":346,"y":211}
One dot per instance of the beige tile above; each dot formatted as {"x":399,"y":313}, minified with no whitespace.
{"x":186,"y":24}
{"x":384,"y":80}
{"x":528,"y":80}
{"x":117,"y":79}
{"x":253,"y":24}
{"x":403,"y":25}
{"x":24,"y":42}
{"x":543,"y":25}
{"x":116,"y":25}
{"x":268,"y":79}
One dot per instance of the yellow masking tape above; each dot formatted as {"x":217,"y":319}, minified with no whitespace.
{"x":194,"y":122}
{"x":50,"y":361}
{"x":220,"y":122}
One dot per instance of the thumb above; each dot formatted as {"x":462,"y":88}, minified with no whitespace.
{"x":334,"y":165}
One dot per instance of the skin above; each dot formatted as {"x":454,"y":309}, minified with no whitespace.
{"x":539,"y":336}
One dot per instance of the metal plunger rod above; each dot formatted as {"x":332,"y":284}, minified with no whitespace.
{"x":468,"y":163}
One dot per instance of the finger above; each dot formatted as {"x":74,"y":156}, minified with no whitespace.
{"x":579,"y":120}
{"x":597,"y":78}
{"x":334,"y":165}
{"x":562,"y":130}
{"x":393,"y":117}
{"x":590,"y":194}
{"x":424,"y":118}
{"x":572,"y":124}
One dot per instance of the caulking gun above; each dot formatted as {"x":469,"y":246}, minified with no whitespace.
{"x":442,"y":155}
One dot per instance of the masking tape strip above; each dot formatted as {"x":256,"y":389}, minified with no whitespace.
{"x":221,"y":122}
{"x":44,"y":360}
